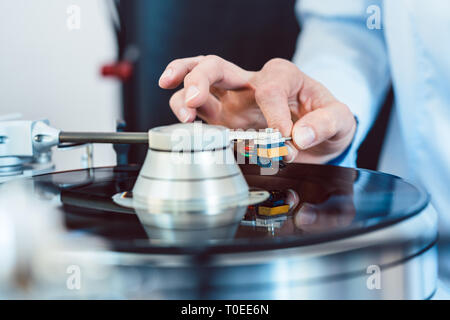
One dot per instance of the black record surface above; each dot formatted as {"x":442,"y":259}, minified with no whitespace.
{"x":325,"y":203}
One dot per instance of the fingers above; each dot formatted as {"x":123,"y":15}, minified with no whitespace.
{"x":273,"y":102}
{"x":212,"y":71}
{"x":281,"y":91}
{"x":276,"y":86}
{"x":208,"y":111}
{"x":333,"y":121}
{"x":177,"y":105}
{"x":175,"y":72}
{"x":199,"y":74}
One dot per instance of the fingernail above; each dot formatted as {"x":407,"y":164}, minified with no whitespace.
{"x":184,"y":115}
{"x":191,"y":93}
{"x":291,"y":154}
{"x":304,"y":137}
{"x":307,"y":216}
{"x":167,"y":73}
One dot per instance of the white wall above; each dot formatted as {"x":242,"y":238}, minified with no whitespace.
{"x":48,"y":71}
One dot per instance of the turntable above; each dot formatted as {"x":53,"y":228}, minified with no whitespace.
{"x":303,"y":232}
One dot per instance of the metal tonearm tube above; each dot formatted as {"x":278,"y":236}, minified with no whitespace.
{"x":26,"y":138}
{"x":103,"y":137}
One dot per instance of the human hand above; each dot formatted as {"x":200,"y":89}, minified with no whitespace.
{"x":278,"y":96}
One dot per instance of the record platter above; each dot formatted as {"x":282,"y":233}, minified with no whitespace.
{"x":341,"y":221}
{"x":308,"y":232}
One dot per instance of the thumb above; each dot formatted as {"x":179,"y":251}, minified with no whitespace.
{"x":333,"y":121}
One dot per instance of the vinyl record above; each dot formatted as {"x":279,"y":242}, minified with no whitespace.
{"x":308,"y":204}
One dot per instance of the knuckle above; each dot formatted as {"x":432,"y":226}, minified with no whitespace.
{"x":213,"y":61}
{"x":276,"y":62}
{"x":331,"y":123}
{"x":316,"y":86}
{"x":213,"y":58}
{"x":196,"y":78}
{"x":191,"y":78}
{"x":279,"y":63}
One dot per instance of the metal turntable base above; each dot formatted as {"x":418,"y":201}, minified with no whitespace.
{"x":348,"y":234}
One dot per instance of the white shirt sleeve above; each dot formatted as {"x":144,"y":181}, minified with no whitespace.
{"x":337,"y":48}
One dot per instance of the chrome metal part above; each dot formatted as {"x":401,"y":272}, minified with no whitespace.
{"x":103,"y":137}
{"x":190,"y":179}
{"x":25,"y":148}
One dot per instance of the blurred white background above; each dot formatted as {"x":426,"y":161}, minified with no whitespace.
{"x":49,"y":71}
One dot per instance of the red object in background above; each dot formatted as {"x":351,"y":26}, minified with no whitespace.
{"x":121,"y":70}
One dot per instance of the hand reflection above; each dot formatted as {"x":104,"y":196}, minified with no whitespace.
{"x":337,"y":212}
{"x":333,"y":209}
{"x":317,"y":207}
